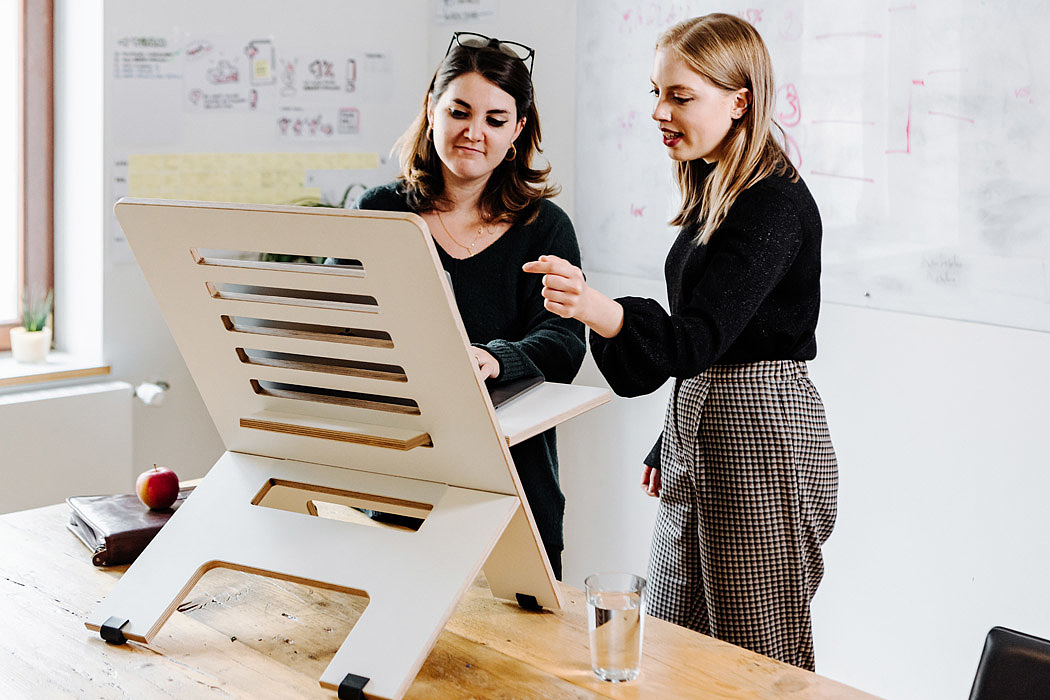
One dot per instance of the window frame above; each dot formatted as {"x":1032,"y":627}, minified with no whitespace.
{"x":36,"y":152}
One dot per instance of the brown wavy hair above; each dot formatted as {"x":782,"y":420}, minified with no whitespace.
{"x":729,"y":53}
{"x":514,"y":188}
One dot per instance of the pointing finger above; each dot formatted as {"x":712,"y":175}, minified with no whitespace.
{"x":549,"y":264}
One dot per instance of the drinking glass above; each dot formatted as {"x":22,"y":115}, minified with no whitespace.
{"x":615,"y":618}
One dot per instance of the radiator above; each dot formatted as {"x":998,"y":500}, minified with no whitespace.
{"x":68,"y":441}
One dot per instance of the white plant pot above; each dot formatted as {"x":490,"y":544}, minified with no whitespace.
{"x":30,"y":346}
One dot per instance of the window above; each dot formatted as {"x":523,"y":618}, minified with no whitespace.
{"x":9,"y":157}
{"x":27,"y":155}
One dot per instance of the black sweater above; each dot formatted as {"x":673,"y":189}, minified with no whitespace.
{"x":502,"y":311}
{"x":752,"y":293}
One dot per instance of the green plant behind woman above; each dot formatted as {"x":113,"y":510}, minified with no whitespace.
{"x":310,"y":201}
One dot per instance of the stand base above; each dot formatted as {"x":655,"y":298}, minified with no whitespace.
{"x":251,"y":514}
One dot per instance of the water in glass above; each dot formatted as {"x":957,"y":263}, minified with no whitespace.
{"x":615,"y":621}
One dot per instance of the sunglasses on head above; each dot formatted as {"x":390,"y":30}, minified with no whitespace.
{"x":471,"y":40}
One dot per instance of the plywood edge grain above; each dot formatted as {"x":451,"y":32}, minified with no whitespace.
{"x":547,"y":406}
{"x":342,"y":431}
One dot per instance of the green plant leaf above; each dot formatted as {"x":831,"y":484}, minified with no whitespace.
{"x":36,"y":307}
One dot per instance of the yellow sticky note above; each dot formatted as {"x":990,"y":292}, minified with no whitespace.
{"x":262,"y":178}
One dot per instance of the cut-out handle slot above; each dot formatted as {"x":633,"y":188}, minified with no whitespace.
{"x":340,"y":504}
{"x":286,"y":262}
{"x":301,"y":392}
{"x":307,"y":331}
{"x":362,"y":516}
{"x":328,"y":365}
{"x":342,"y":431}
{"x":294,"y":297}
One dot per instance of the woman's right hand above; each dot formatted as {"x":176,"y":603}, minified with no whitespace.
{"x":566,"y":293}
{"x":651,"y":481}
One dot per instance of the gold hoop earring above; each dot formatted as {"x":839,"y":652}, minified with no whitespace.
{"x":512,"y":153}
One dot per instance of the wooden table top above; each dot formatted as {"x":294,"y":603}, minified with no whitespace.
{"x":244,"y":636}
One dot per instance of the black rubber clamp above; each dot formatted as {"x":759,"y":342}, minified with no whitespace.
{"x":352,"y":687}
{"x":111,"y":630}
{"x":528,"y":602}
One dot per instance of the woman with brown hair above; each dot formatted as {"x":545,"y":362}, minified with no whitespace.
{"x":466,"y":168}
{"x":744,"y":468}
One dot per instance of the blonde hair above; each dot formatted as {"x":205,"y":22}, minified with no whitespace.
{"x":729,"y":53}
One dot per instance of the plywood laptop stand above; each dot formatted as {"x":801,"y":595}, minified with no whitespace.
{"x":350,"y":385}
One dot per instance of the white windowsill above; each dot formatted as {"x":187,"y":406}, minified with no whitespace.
{"x":58,"y":366}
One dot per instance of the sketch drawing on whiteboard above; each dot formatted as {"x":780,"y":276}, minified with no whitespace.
{"x":351,"y":74}
{"x":260,"y":54}
{"x":223,"y":72}
{"x":287,"y":76}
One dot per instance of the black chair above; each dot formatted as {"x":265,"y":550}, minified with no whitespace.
{"x":1013,"y":666}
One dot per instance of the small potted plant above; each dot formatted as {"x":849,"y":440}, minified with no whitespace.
{"x":31,"y":341}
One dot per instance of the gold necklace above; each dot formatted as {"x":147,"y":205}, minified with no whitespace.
{"x":469,"y":249}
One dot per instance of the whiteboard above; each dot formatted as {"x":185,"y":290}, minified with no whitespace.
{"x":918,"y":126}
{"x":263,"y":102}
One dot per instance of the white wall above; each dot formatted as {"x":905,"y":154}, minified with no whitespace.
{"x":92,"y":455}
{"x":941,"y":433}
{"x":608,"y":519}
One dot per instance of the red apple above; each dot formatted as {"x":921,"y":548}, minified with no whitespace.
{"x":157,"y":488}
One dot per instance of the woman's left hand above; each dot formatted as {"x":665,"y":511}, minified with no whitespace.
{"x":651,"y":481}
{"x":486,"y":365}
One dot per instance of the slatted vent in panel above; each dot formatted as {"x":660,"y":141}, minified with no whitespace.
{"x":280,"y":375}
{"x":285,"y":262}
{"x":324,"y":365}
{"x":307,"y":331}
{"x":293,"y":297}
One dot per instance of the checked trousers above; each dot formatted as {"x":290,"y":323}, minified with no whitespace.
{"x":748,"y":496}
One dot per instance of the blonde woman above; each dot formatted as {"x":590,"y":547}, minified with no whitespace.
{"x":744,"y":468}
